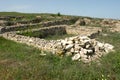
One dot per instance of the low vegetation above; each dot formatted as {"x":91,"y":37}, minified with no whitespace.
{"x":22,"y":62}
{"x":57,"y":37}
{"x":32,"y":16}
{"x":44,"y":36}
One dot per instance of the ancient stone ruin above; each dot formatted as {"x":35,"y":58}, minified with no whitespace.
{"x":82,"y":47}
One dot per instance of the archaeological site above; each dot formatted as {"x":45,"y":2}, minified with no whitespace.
{"x":81,"y":44}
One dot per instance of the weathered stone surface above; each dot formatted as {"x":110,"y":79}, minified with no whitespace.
{"x":69,"y":46}
{"x":68,"y":53}
{"x":76,"y":57}
{"x":36,"y":42}
{"x":85,"y":49}
{"x":108,"y":47}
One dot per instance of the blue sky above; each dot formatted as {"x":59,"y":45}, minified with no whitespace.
{"x":92,"y":8}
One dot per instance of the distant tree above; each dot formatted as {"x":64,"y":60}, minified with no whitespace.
{"x":58,"y":14}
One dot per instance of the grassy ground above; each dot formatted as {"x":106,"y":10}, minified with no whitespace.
{"x":44,"y":16}
{"x":44,"y":36}
{"x":56,"y":37}
{"x":22,"y":62}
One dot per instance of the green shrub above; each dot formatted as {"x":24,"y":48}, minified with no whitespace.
{"x":58,"y":14}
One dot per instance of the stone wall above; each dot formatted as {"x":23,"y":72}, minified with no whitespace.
{"x":44,"y":32}
{"x":17,"y":27}
{"x":41,"y":43}
{"x":37,"y":42}
{"x":32,"y":41}
{"x":59,"y":22}
{"x":83,"y":30}
{"x":96,"y":22}
{"x":80,"y":48}
{"x":10,"y":17}
{"x":42,"y":24}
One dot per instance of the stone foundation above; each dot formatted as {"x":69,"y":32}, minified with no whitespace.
{"x":44,"y":32}
{"x":83,"y":30}
{"x":42,"y":24}
{"x":81,"y":48}
{"x":32,"y":41}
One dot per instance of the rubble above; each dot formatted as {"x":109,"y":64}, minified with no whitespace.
{"x":82,"y":48}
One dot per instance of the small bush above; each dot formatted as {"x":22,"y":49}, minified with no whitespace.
{"x":58,"y":14}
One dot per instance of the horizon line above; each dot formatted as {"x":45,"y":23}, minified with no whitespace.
{"x":61,"y":14}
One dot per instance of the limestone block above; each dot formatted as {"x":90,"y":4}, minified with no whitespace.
{"x":108,"y":47}
{"x":69,"y":46}
{"x":76,"y":57}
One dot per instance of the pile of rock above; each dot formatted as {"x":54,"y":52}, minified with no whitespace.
{"x":82,"y":48}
